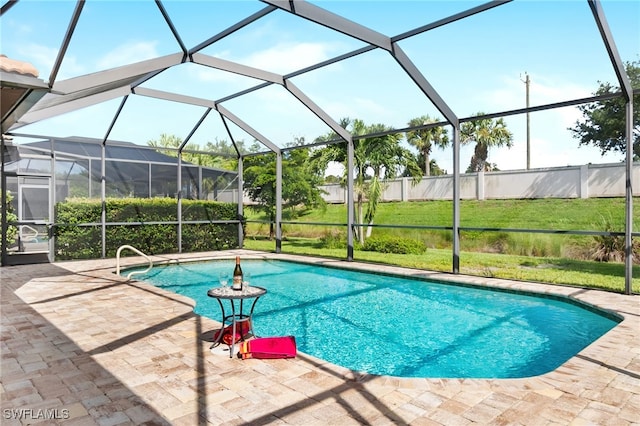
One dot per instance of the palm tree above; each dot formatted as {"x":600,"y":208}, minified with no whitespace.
{"x":376,"y":159}
{"x":425,"y":139}
{"x":486,"y":133}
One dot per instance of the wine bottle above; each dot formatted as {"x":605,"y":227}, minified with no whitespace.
{"x":237,"y":275}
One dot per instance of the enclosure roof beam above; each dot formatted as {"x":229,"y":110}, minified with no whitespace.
{"x":610,"y":45}
{"x":233,"y":141}
{"x":244,"y":92}
{"x":319,"y":112}
{"x":243,"y":23}
{"x":449,"y":19}
{"x":69,"y":104}
{"x":8,"y":5}
{"x":114,"y":120}
{"x":247,"y":128}
{"x":172,"y":27}
{"x":196,"y":127}
{"x":335,"y":22}
{"x":415,"y":74}
{"x":26,"y":91}
{"x":65,"y":42}
{"x":127,"y":73}
{"x":334,"y":60}
{"x":299,"y":72}
{"x":236,"y":68}
{"x":173,"y":97}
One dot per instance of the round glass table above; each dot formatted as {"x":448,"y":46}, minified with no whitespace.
{"x":237,"y":320}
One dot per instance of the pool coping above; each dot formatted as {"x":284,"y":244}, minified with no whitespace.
{"x":165,"y":372}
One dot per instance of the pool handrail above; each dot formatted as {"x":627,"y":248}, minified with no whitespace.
{"x":126,"y":246}
{"x":30,"y":235}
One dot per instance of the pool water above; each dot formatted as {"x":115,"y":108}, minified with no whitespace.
{"x":396,"y":326}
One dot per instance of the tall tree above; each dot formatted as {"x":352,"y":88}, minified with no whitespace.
{"x":172,"y":142}
{"x":300,"y":183}
{"x":376,"y":159}
{"x":603,"y":123}
{"x":487,"y":133}
{"x":425,"y":139}
{"x":222,"y":155}
{"x":219,"y":153}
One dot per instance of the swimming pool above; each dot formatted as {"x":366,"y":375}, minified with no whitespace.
{"x":397,"y":326}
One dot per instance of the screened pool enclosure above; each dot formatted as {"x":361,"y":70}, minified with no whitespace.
{"x":271,"y":77}
{"x":130,"y":170}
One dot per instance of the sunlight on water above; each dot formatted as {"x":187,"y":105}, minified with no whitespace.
{"x":395,"y":326}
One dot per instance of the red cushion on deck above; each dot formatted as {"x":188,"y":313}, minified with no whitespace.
{"x":269,"y":348}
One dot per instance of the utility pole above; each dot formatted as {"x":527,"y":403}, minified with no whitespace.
{"x":527,"y":81}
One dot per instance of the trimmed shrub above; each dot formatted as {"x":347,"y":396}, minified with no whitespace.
{"x":336,"y":240}
{"x":79,"y":234}
{"x":397,"y":245}
{"x":12,"y":230}
{"x":611,"y":248}
{"x":333,"y":240}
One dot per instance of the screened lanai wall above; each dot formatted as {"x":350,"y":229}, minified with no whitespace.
{"x":131,"y":170}
{"x":305,"y":65}
{"x":41,"y":174}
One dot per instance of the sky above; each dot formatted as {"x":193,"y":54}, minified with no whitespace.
{"x":478,"y":64}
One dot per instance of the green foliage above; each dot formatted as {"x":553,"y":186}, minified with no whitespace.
{"x":79,"y":235}
{"x":375,"y":159}
{"x":424,"y":140}
{"x":299,"y":182}
{"x":396,"y":245}
{"x":335,"y":240}
{"x":553,"y":270}
{"x":12,"y":231}
{"x":219,"y":154}
{"x":548,"y":213}
{"x":486,"y":133}
{"x":603,"y":123}
{"x":610,"y":248}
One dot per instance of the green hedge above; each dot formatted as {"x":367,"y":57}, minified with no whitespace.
{"x":397,"y":245}
{"x":85,"y":242}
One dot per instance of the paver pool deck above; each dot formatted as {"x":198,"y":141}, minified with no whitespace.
{"x":83,"y":346}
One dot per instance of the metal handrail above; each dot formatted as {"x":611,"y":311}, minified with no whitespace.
{"x":136,"y":251}
{"x":28,"y":236}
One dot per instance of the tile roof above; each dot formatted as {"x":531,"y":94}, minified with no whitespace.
{"x":17,"y":67}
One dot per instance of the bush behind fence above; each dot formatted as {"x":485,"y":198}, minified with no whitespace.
{"x":75,"y":238}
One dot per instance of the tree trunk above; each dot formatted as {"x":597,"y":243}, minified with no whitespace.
{"x":360,"y":229}
{"x":272,"y":231}
{"x":427,"y":164}
{"x":369,"y":228}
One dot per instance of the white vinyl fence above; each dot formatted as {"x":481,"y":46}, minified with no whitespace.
{"x":591,"y":180}
{"x":601,"y":180}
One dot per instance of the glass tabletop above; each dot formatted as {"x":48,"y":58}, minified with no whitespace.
{"x":229,"y":293}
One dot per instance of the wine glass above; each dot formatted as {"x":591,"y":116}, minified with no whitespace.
{"x":246,"y":279}
{"x":223,"y":279}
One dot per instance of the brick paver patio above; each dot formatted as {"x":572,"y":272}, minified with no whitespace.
{"x":82,"y":346}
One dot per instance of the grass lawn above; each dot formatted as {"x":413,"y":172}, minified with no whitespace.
{"x":607,"y":276}
{"x":548,"y":258}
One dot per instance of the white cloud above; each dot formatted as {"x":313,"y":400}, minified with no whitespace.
{"x":43,"y":58}
{"x":40,"y":56}
{"x":285,"y":57}
{"x":281,"y":58}
{"x":210,"y":75}
{"x":127,"y":54}
{"x":17,"y":28}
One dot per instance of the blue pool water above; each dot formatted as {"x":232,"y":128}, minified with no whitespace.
{"x":389,"y":325}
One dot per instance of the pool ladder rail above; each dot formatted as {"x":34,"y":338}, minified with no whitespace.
{"x":126,"y":246}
